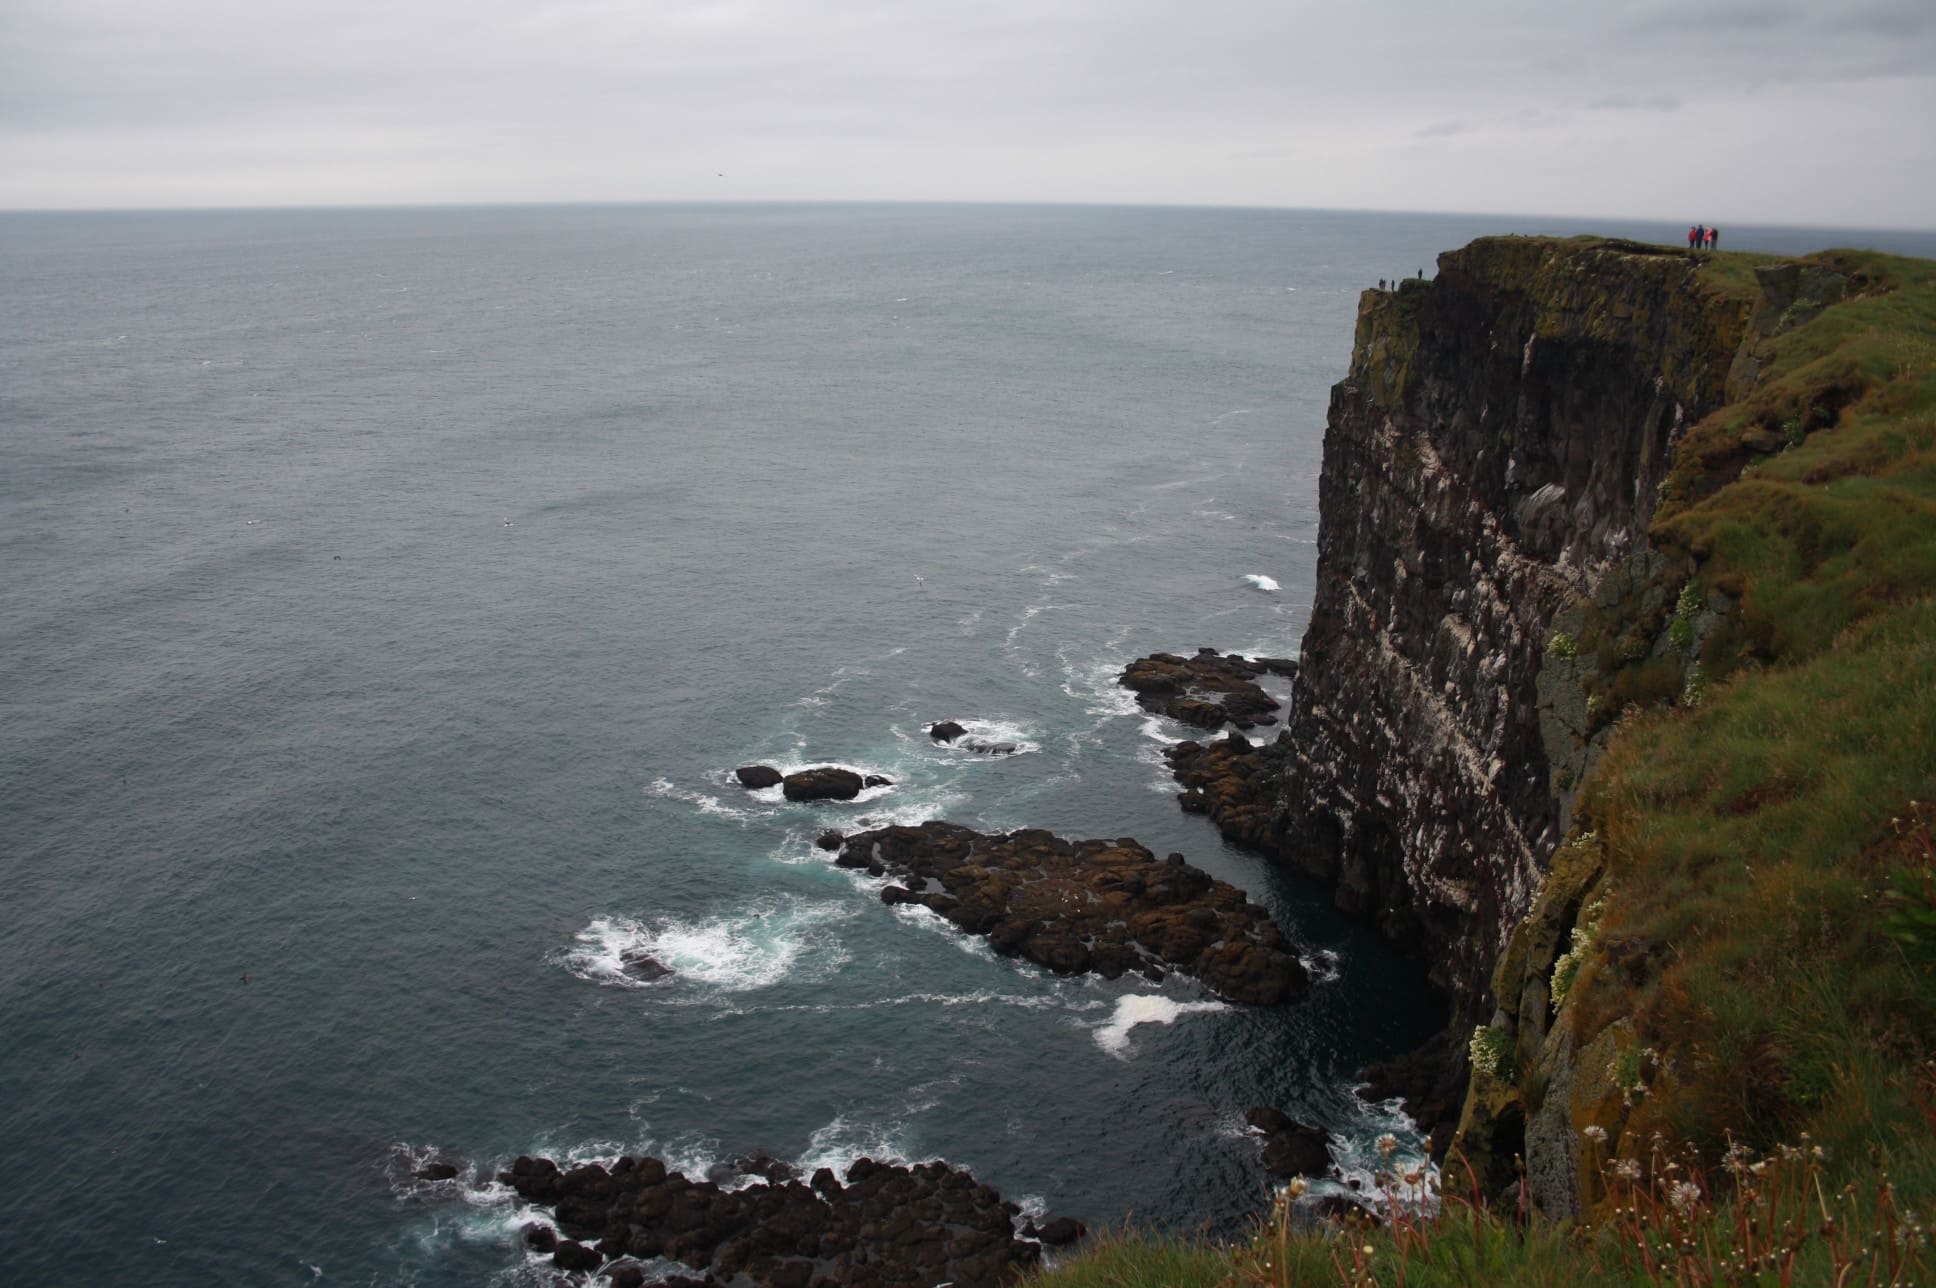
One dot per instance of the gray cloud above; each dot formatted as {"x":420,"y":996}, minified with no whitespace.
{"x":1396,"y":103}
{"x":1635,"y":103}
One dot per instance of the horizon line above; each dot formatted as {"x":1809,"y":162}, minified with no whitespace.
{"x":628,"y":202}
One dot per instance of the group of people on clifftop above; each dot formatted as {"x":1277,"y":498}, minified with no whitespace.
{"x":1701,"y":237}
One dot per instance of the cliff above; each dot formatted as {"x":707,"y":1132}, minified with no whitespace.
{"x":1618,"y":699}
{"x":1497,"y":448}
{"x":1618,"y":703}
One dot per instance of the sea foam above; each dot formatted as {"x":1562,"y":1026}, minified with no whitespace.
{"x":734,"y":953}
{"x":1144,"y":1008}
{"x":1260,"y":581}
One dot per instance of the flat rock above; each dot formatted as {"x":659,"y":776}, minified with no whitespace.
{"x":887,"y":1225}
{"x":1208,"y":690}
{"x":1107,"y":907}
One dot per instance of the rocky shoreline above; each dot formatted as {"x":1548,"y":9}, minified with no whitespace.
{"x":1108,"y":907}
{"x":1239,"y":785}
{"x":881,"y":1226}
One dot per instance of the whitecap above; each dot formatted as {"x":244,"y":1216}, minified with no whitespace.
{"x":980,"y":737}
{"x":1322,"y":965}
{"x":708,"y":804}
{"x":1144,"y":1008}
{"x":841,"y":1142}
{"x":1096,"y":682}
{"x":1260,"y":581}
{"x":927,"y":919}
{"x":734,"y":953}
{"x":1361,"y":1172}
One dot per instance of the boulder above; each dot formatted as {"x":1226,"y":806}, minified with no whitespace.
{"x":945,"y":731}
{"x":829,"y":839}
{"x":754,"y":777}
{"x":573,"y":1255}
{"x":828,"y":782}
{"x":1061,"y":1231}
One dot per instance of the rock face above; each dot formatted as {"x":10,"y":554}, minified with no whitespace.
{"x":755,"y":777}
{"x":886,"y":1226}
{"x":1207,"y":690}
{"x":1074,"y":906}
{"x":1496,"y":449}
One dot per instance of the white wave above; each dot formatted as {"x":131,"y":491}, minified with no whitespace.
{"x":1094,"y":683}
{"x":735,"y":953}
{"x":978,"y":735}
{"x":707,"y":804}
{"x":1368,"y":1175}
{"x":838,"y":1144}
{"x":1164,"y":730}
{"x":1260,"y":581}
{"x":927,"y":919}
{"x":1322,"y":964}
{"x":1144,"y":1008}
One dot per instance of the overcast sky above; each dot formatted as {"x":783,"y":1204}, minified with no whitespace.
{"x":1818,"y":113}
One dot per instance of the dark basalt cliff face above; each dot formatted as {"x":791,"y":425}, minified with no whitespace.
{"x":1496,"y":449}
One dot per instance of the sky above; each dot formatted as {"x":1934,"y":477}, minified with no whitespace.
{"x":1711,"y":110}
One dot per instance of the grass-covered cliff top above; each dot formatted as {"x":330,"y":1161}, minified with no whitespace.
{"x":1757,"y":918}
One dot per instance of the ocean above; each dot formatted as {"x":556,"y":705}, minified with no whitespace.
{"x":389,"y":595}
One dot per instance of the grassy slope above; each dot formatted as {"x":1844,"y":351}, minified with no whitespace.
{"x":1771,"y":929}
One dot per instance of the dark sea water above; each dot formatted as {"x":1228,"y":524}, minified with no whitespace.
{"x":386,"y":598}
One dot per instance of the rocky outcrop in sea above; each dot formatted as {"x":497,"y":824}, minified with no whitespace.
{"x":1110,"y":907}
{"x":1209,"y":690}
{"x":882,"y":1226}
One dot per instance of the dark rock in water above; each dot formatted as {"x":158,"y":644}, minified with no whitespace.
{"x":627,"y":1276}
{"x":1269,"y":1121}
{"x":888,"y":1225}
{"x":945,"y":731}
{"x":754,"y":777}
{"x":640,"y":966}
{"x":540,"y":1238}
{"x":1063,"y":1230}
{"x":983,"y":747}
{"x":437,"y":1172}
{"x":1104,"y":906}
{"x":826,"y":783}
{"x":1207,"y":690}
{"x":1291,"y":1148}
{"x":830,"y":839}
{"x":877,"y":780}
{"x":760,"y":1164}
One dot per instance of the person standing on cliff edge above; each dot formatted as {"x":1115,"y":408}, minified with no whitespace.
{"x":1713,"y":238}
{"x":1693,"y":232}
